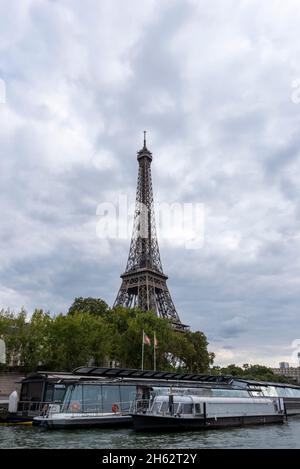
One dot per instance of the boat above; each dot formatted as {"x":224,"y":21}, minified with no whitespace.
{"x":38,"y":391}
{"x":42,"y":389}
{"x":91,"y":404}
{"x":189,"y":412}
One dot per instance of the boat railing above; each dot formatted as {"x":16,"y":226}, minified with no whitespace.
{"x":96,"y":407}
{"x":140,"y":406}
{"x":35,"y":407}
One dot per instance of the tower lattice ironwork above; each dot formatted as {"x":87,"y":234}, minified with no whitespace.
{"x":144,"y":284}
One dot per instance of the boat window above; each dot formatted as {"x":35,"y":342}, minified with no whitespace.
{"x":256,"y":393}
{"x":175,"y":408}
{"x":110,"y":396}
{"x":290,"y":392}
{"x":24,"y":392}
{"x":48,"y":396}
{"x":92,"y":398}
{"x":59,"y":392}
{"x":74,"y":399}
{"x":156,"y":407}
{"x":128,"y":394}
{"x":165,"y":407}
{"x":230,"y":393}
{"x":197,"y":408}
{"x":187,"y":408}
{"x":32,"y":391}
{"x":270,"y":391}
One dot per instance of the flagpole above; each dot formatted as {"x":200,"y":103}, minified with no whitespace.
{"x":154,"y":351}
{"x":143,"y":352}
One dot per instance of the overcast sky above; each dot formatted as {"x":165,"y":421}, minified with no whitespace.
{"x":215,"y":84}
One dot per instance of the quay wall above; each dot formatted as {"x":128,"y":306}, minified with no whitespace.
{"x":9,"y":382}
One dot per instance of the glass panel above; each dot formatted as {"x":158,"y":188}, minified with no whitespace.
{"x":128,"y":394}
{"x":92,"y":398}
{"x":230,"y":393}
{"x":24,"y":392}
{"x":48,"y":396}
{"x":164,"y":407}
{"x":187,"y":408}
{"x":270,"y":391}
{"x":34,"y":392}
{"x":156,"y":407}
{"x":197,"y":408}
{"x":256,"y":393}
{"x":110,"y":396}
{"x":59,"y":393}
{"x":176,"y":406}
{"x":75,"y":399}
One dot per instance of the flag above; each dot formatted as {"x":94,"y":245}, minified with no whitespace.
{"x":155,"y":341}
{"x":146,"y":339}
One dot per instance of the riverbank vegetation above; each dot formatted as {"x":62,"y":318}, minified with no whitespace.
{"x":91,"y":333}
{"x":253,"y":372}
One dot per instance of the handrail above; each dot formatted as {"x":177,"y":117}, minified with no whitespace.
{"x":95,"y":407}
{"x":39,"y":407}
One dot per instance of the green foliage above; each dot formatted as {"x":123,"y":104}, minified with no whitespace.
{"x":94,"y":306}
{"x":91,"y":333}
{"x":254,"y":372}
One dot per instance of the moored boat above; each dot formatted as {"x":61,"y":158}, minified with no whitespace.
{"x":90,"y":404}
{"x":188,"y":412}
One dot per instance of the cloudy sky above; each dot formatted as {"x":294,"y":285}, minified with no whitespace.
{"x":216,"y":84}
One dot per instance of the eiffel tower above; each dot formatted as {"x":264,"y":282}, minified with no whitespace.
{"x":144,"y":284}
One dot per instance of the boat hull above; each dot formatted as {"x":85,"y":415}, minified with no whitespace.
{"x":84,"y":422}
{"x":161,"y":423}
{"x":15,"y":419}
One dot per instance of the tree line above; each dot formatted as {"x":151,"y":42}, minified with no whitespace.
{"x":251,"y":372}
{"x":91,"y":333}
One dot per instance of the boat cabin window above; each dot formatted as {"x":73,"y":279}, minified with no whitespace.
{"x":229,"y":393}
{"x":54,"y":392}
{"x":110,"y":396}
{"x":256,"y":393}
{"x":186,"y":408}
{"x":156,"y":407}
{"x":48,"y":396}
{"x":32,"y":391}
{"x":59,"y":392}
{"x":128,"y":394}
{"x":92,"y":398}
{"x":197,"y":409}
{"x":73,"y":399}
{"x":164,"y":407}
{"x":98,"y":398}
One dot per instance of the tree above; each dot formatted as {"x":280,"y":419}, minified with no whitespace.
{"x":94,"y":306}
{"x":77,"y":340}
{"x":35,"y":340}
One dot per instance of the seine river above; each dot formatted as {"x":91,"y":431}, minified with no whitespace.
{"x":271,"y":436}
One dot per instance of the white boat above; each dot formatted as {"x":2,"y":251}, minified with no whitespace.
{"x":90,"y":404}
{"x":188,"y":412}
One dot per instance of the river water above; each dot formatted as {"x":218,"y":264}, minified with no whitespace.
{"x":285,"y":435}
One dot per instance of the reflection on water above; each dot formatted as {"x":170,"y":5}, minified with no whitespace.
{"x":270,"y":436}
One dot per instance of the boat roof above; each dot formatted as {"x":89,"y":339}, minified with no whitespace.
{"x":252,"y":382}
{"x":136,"y":374}
{"x":151,"y":375}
